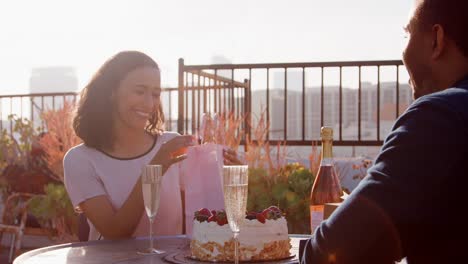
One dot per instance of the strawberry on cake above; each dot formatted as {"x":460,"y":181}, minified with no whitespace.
{"x":263,"y":236}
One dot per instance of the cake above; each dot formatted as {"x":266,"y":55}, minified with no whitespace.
{"x":263,"y":236}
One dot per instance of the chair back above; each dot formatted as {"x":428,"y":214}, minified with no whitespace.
{"x":15,"y":208}
{"x":83,"y":228}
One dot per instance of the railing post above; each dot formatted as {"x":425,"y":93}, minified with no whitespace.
{"x":32,"y":110}
{"x":180,"y":127}
{"x":180,"y":118}
{"x":1,"y":120}
{"x":247,"y":109}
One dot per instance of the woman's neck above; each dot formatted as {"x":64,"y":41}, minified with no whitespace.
{"x":130,"y":142}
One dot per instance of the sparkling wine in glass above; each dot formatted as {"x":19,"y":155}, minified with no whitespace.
{"x":235,"y":186}
{"x":151,"y":180}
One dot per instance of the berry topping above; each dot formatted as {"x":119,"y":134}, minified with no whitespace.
{"x":204,"y":211}
{"x":221,"y":218}
{"x":272,"y":213}
{"x":212,"y":218}
{"x":268,"y":214}
{"x":202,"y":215}
{"x":251,"y":215}
{"x":274,"y":209}
{"x":261,"y":218}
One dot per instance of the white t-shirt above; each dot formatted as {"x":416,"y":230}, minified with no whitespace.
{"x":89,"y":173}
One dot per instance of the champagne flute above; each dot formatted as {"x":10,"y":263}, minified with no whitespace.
{"x":151,"y":180}
{"x":235,"y":186}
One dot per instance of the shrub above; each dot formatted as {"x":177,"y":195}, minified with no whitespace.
{"x":289,"y":189}
{"x":55,"y":211}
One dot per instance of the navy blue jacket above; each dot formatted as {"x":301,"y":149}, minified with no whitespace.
{"x":411,"y":203}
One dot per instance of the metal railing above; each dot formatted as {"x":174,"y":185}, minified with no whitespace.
{"x":297,"y":99}
{"x":315,"y":106}
{"x":201,"y":92}
{"x":31,"y":106}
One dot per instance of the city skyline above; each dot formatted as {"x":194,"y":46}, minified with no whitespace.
{"x":312,"y":113}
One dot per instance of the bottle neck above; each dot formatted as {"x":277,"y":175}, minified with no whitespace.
{"x":327,"y":153}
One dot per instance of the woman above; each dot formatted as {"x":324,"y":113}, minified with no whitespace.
{"x":120,"y":121}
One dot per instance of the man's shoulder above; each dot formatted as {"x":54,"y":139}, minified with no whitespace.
{"x":451,"y":96}
{"x":453,"y":100}
{"x":436,"y":111}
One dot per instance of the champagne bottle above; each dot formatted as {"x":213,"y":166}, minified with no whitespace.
{"x":326,"y":187}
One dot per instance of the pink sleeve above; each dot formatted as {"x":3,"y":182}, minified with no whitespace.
{"x":81,"y":180}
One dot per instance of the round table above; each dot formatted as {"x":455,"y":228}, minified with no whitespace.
{"x":121,"y":251}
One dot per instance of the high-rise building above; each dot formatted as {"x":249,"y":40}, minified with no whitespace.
{"x":331,"y":110}
{"x":53,"y":80}
{"x":50,"y":80}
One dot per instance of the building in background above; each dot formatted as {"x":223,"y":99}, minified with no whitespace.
{"x":331,"y":111}
{"x":59,"y":79}
{"x":311,"y":118}
{"x":53,"y":80}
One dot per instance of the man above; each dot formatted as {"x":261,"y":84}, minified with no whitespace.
{"x":411,"y":203}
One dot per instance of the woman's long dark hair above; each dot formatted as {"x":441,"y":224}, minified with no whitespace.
{"x":93,"y":121}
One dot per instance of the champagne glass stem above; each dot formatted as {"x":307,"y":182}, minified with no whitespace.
{"x":236,"y":247}
{"x":151,"y":220}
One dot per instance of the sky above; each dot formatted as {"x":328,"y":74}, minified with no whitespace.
{"x":83,"y":34}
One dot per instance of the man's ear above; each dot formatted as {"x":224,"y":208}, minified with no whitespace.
{"x":438,"y":41}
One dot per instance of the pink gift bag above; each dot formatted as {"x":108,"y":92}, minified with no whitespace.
{"x":201,"y":178}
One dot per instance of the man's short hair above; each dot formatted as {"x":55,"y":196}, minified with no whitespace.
{"x":451,"y":15}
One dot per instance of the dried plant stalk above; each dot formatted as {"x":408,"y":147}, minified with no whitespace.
{"x":59,"y":138}
{"x":229,"y":129}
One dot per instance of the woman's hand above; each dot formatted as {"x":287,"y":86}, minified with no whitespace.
{"x":173,"y":151}
{"x":230,"y":157}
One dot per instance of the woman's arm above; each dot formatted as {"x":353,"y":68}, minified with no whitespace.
{"x":112,"y":223}
{"x":88,"y":194}
{"x":121,"y":223}
{"x":168,"y":154}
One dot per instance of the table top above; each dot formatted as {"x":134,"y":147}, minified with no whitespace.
{"x":121,"y":251}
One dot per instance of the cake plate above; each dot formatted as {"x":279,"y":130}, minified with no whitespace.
{"x":183,"y":257}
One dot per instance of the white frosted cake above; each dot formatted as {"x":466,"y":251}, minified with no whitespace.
{"x":263,"y":236}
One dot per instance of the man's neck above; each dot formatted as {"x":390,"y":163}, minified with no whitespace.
{"x":461,"y":80}
{"x":453,"y":72}
{"x":454,"y":80}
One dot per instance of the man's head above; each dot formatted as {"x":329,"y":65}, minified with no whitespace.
{"x":436,"y":55}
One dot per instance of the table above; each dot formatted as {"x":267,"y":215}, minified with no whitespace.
{"x":121,"y":251}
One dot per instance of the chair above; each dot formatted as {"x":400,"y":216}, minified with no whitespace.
{"x":14,"y":219}
{"x":83,"y":228}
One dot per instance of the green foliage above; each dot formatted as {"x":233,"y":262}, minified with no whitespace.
{"x":16,"y":150}
{"x":289,"y":189}
{"x":55,"y":202}
{"x":23,"y":166}
{"x":6,"y":142}
{"x":53,"y":205}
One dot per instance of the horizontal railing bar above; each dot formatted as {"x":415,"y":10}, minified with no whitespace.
{"x":38,"y":95}
{"x":293,"y":65}
{"x":211,"y":87}
{"x":219,"y":78}
{"x":71,"y":93}
{"x":340,"y":143}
